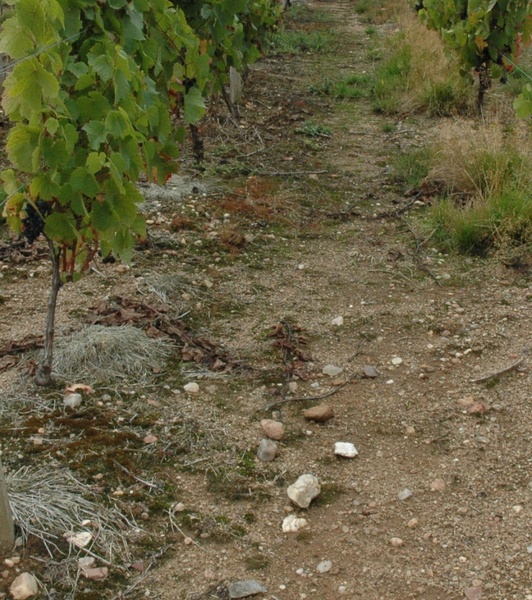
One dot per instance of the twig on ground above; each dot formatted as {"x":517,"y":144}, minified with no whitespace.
{"x":144,"y":482}
{"x":309,"y":398}
{"x":500,"y":372}
{"x":419,"y":244}
{"x":292,"y":173}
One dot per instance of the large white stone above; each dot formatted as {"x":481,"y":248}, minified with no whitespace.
{"x":24,"y":586}
{"x":304,"y":490}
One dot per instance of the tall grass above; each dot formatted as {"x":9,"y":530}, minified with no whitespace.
{"x":416,"y":75}
{"x":485,"y":177}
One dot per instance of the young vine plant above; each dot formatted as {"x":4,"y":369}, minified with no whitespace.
{"x":485,"y":35}
{"x":98,"y":94}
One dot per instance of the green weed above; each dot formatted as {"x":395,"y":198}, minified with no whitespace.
{"x":410,"y":168}
{"x":313,"y":129}
{"x":298,"y":42}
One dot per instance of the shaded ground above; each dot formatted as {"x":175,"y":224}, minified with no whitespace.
{"x":289,"y":236}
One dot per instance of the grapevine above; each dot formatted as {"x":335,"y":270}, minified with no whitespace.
{"x":100,"y":93}
{"x":485,"y":35}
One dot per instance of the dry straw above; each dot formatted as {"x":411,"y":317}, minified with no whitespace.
{"x":104,"y":354}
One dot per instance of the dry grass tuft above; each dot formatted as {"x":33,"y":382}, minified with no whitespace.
{"x":479,"y":159}
{"x":47,"y":504}
{"x":104,"y":354}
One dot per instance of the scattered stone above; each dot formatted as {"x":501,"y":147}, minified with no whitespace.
{"x":81,"y":539}
{"x":292,"y":386}
{"x":404,"y":494}
{"x":342,"y":589}
{"x":410,"y":430}
{"x":24,"y":586}
{"x":73,"y":400}
{"x":529,"y":549}
{"x":473,"y":593}
{"x":273,"y":429}
{"x":345,"y":449}
{"x":324,"y":566}
{"x":267,"y":450}
{"x":370,"y":372}
{"x":320,"y":413}
{"x":396,"y":542}
{"x":477,"y":408}
{"x":243,"y":589}
{"x":338,"y":321}
{"x":332,"y":370}
{"x":8,"y":562}
{"x":86,"y":562}
{"x":438,"y":485}
{"x":517,"y":508}
{"x":291,"y":524}
{"x":396,"y":361}
{"x":191,"y":388}
{"x":96,"y":573}
{"x":304,"y":490}
{"x":150,"y":439}
{"x":412,"y":523}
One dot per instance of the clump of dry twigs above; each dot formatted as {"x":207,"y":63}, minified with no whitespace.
{"x":52,"y":505}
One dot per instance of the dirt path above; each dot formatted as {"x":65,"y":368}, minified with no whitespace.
{"x":303,"y":251}
{"x":466,"y":528}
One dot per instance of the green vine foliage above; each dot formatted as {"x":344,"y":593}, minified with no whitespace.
{"x":100,"y":92}
{"x":232,"y":32}
{"x":484,"y":34}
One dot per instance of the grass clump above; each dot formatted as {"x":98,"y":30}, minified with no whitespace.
{"x":352,"y":87}
{"x":102,"y":354}
{"x":409,"y":169}
{"x":417,"y":76}
{"x":485,"y":178}
{"x":298,"y":42}
{"x":313,"y":129}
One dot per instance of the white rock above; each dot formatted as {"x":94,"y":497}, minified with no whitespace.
{"x":191,"y":388}
{"x":87,"y":562}
{"x":332,"y":370}
{"x":24,"y":586}
{"x":304,"y":490}
{"x":73,"y":400}
{"x":80,"y":539}
{"x":243,"y":589}
{"x":324,"y":566}
{"x":291,"y":524}
{"x":345,"y":449}
{"x":396,"y":361}
{"x":404,"y":494}
{"x":292,"y":386}
{"x":338,"y":321}
{"x":397,"y":542}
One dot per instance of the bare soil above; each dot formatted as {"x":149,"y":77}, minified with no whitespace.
{"x":289,"y":232}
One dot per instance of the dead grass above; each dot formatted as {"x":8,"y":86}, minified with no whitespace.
{"x":105,"y":354}
{"x":51,"y":505}
{"x":479,"y":159}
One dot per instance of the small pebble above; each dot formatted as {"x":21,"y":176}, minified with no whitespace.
{"x":324,"y":566}
{"x":273,"y":429}
{"x":370,"y":372}
{"x":321,"y":413}
{"x":267,"y":450}
{"x":332,"y":370}
{"x":73,"y":400}
{"x":412,"y":523}
{"x":338,"y":321}
{"x":291,"y":524}
{"x":396,"y":361}
{"x":191,"y":388}
{"x":404,"y":494}
{"x":345,"y":449}
{"x":438,"y":485}
{"x":396,"y":542}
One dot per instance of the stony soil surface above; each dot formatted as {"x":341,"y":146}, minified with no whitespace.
{"x":271,"y":267}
